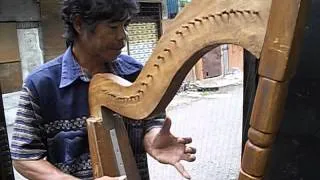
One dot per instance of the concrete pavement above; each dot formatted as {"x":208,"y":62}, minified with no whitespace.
{"x":214,"y":121}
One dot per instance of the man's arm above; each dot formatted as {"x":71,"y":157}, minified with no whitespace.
{"x":43,"y":170}
{"x":40,"y":170}
{"x":28,"y":147}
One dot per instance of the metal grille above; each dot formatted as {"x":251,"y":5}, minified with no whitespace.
{"x":150,"y":11}
{"x":144,"y":31}
{"x":142,"y":40}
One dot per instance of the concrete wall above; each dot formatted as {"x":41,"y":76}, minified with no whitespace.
{"x":30,"y":52}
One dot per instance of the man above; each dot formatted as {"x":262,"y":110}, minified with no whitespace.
{"x":50,"y":137}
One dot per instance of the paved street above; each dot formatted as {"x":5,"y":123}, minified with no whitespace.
{"x":214,"y":121}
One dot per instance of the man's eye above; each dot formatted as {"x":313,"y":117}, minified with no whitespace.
{"x":113,"y":27}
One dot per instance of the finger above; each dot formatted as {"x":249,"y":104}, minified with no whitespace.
{"x":185,"y":140}
{"x":166,"y":126}
{"x":190,"y":150}
{"x":189,"y":157}
{"x":182,"y":171}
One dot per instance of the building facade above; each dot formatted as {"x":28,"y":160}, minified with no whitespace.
{"x":31,"y":34}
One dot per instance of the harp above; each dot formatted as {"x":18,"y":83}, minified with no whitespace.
{"x":270,"y":29}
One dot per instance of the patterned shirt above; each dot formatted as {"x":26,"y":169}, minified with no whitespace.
{"x":52,"y":113}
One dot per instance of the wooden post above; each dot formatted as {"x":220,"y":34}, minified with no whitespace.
{"x":6,"y":170}
{"x":52,"y":29}
{"x":199,"y":70}
{"x":110,"y":150}
{"x":277,"y":66}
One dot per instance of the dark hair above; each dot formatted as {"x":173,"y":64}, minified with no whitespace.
{"x":93,"y":11}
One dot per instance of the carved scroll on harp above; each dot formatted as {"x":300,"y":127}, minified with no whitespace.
{"x":260,"y":26}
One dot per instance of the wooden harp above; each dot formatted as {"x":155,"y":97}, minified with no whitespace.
{"x":270,"y":29}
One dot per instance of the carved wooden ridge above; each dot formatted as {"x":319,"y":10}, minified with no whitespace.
{"x":269,"y":29}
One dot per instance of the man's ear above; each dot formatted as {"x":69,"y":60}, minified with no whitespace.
{"x":77,"y":24}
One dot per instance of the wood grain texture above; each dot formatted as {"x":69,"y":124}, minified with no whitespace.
{"x":114,"y":121}
{"x":101,"y":150}
{"x":277,"y":66}
{"x":52,"y":29}
{"x":261,"y":139}
{"x":244,"y":176}
{"x":9,"y":48}
{"x":10,"y":77}
{"x":257,"y":158}
{"x":268,"y":105}
{"x":282,"y":43}
{"x":104,"y":161}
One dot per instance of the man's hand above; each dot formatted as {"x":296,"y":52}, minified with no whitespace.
{"x":168,"y":149}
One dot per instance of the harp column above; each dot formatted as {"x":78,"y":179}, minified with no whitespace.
{"x":277,"y":66}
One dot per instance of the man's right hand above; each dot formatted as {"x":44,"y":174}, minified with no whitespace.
{"x":112,"y":178}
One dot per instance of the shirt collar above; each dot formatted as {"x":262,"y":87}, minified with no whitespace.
{"x":71,"y":70}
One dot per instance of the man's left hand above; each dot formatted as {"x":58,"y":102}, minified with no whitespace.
{"x":168,"y":149}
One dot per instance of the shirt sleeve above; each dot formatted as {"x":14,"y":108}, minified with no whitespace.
{"x":154,"y":122}
{"x":28,"y":139}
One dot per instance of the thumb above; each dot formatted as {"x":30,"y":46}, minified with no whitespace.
{"x":182,"y":171}
{"x":166,"y":126}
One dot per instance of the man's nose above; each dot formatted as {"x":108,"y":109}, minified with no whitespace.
{"x":122,"y":34}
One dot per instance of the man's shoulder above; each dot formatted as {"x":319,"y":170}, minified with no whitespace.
{"x":127,"y":58}
{"x":52,"y":65}
{"x":128,"y":65}
{"x":50,"y":70}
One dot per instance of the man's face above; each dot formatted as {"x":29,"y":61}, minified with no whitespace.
{"x":107,"y":40}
